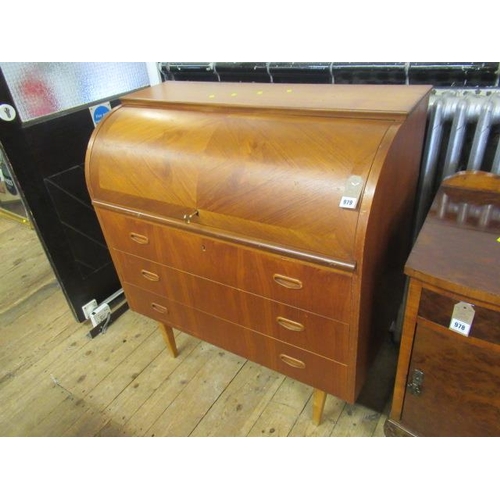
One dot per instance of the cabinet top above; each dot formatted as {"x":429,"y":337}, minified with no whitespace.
{"x":383,"y":100}
{"x":458,"y":247}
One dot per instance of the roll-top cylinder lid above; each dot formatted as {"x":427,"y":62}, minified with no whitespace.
{"x":283,"y":164}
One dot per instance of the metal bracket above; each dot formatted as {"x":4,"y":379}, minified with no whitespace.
{"x":417,"y":379}
{"x":188,"y":217}
{"x":102,"y":315}
{"x":102,"y":327}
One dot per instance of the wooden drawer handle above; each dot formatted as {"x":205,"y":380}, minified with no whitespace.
{"x":289,"y":324}
{"x":295,"y":363}
{"x":287,"y":282}
{"x":158,"y":308}
{"x":149,"y":275}
{"x":139,"y":238}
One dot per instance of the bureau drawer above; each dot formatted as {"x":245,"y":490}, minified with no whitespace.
{"x":129,"y":234}
{"x":308,"y":331}
{"x":183,"y":318}
{"x":301,"y":365}
{"x":311,"y":369}
{"x":310,"y":287}
{"x":438,"y":308}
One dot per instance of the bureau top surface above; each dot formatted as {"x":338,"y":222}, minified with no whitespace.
{"x":458,"y":247}
{"x":386,"y":100}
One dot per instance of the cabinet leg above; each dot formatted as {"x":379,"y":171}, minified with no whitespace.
{"x":319,"y":398}
{"x":168,"y":337}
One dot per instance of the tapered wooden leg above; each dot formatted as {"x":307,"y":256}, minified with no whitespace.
{"x":319,"y":398}
{"x":168,"y":336}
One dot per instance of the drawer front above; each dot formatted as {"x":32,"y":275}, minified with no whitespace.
{"x":129,"y":234}
{"x":184,"y":318}
{"x":296,"y":363}
{"x":305,"y":286}
{"x":438,"y":308}
{"x":291,"y":325}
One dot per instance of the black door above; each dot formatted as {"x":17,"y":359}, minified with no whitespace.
{"x":46,"y":146}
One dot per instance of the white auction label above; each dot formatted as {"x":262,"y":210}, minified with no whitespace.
{"x":462,"y":318}
{"x":348,"y":202}
{"x":352,"y":192}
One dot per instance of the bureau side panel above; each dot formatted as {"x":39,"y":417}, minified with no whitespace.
{"x":383,"y":238}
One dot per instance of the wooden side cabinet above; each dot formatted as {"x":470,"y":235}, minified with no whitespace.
{"x":448,"y":375}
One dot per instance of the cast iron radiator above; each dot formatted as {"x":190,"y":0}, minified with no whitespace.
{"x":462,"y":134}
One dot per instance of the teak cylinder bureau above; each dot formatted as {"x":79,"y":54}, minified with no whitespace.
{"x":271,"y":220}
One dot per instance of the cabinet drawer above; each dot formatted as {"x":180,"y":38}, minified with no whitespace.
{"x":438,"y":308}
{"x":291,"y":325}
{"x":305,"y":286}
{"x":301,"y":365}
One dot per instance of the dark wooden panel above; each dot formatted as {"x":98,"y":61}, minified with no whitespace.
{"x":460,"y":394}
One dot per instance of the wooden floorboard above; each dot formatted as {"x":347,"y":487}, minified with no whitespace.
{"x":23,"y":266}
{"x":57,"y":381}
{"x":242,"y":402}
